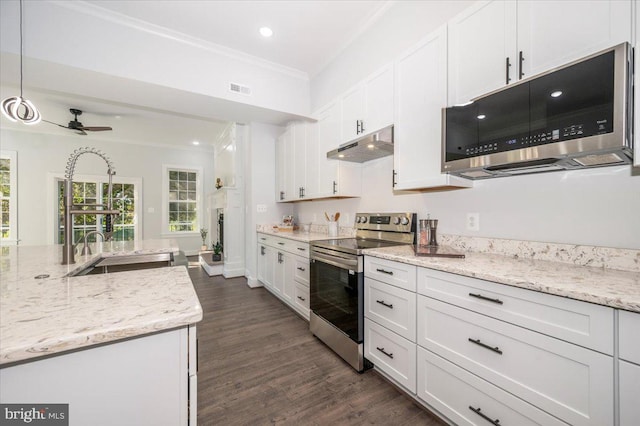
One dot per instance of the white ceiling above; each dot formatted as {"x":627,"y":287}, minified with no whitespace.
{"x":308,"y":34}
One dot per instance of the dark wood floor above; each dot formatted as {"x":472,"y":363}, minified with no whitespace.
{"x":259,"y":364}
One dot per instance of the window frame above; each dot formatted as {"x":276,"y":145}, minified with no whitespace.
{"x":52,"y":200}
{"x":13,"y":239}
{"x":166,"y":168}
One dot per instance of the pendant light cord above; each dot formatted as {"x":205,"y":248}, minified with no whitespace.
{"x":21,"y":49}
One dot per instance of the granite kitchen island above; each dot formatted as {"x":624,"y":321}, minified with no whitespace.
{"x":117,"y":347}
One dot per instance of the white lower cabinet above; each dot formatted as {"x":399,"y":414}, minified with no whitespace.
{"x":466,"y":399}
{"x":283,"y":268}
{"x":394,"y":355}
{"x":572,"y":383}
{"x":629,"y":393}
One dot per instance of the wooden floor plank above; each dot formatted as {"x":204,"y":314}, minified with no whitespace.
{"x":259,"y":365}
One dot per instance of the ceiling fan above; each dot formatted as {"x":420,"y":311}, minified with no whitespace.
{"x":78,"y":126}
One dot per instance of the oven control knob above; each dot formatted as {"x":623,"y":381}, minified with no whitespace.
{"x":404,"y":220}
{"x":363,"y":219}
{"x":396,"y":221}
{"x":357,"y":219}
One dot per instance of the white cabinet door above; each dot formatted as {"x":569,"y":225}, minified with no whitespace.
{"x":279,"y":273}
{"x":311,"y":161}
{"x":629,"y":393}
{"x":420,"y":95}
{"x":266,"y":265}
{"x":298,"y":158}
{"x":378,"y":101}
{"x":481,"y":40}
{"x":281,"y":168}
{"x":352,"y":106}
{"x":287,"y":264}
{"x":570,"y":382}
{"x":335,"y":178}
{"x":629,"y":336}
{"x":546,"y":41}
{"x":468,"y":400}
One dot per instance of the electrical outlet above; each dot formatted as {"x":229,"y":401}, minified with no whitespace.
{"x":262,"y":208}
{"x":473,"y":221}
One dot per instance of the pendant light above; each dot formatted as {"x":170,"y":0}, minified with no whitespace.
{"x":17,"y":108}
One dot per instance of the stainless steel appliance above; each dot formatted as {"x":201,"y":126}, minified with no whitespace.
{"x":337,"y":281}
{"x":575,"y":116}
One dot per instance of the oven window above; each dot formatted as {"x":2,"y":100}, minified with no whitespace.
{"x":335,"y":296}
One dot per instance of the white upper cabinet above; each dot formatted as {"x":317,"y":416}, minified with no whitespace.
{"x":499,"y":42}
{"x":420,"y":95}
{"x":481,"y":41}
{"x":335,"y":178}
{"x":283,"y":159}
{"x":299,"y":166}
{"x":368,"y":106}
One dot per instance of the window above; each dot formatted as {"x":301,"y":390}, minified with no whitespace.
{"x":90,"y":191}
{"x":8,"y":193}
{"x":182,"y":199}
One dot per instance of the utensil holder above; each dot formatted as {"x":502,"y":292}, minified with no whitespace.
{"x":333,"y":229}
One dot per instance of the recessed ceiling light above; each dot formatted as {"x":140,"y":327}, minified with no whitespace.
{"x":117,"y":117}
{"x":195,"y":143}
{"x":482,"y":117}
{"x":340,"y":155}
{"x":371,"y":146}
{"x":556,"y":94}
{"x":266,"y":32}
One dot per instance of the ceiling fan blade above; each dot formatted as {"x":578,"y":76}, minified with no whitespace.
{"x":56,"y":124}
{"x":95,"y":128}
{"x":81,"y":132}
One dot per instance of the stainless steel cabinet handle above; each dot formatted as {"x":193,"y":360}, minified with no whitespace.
{"x":280,"y":257}
{"x":301,"y":269}
{"x":384,"y":352}
{"x":262,"y":250}
{"x":335,"y":189}
{"x":302,"y":298}
{"x":388,"y":305}
{"x":488,"y":299}
{"x":520,"y":61}
{"x":393,"y":179}
{"x":301,"y":249}
{"x":282,"y":195}
{"x":281,"y":243}
{"x":384,"y":271}
{"x":484,"y":345}
{"x":495,"y":422}
{"x":357,"y":127}
{"x":361,"y":126}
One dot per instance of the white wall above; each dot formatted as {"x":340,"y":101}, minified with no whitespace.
{"x":260,"y":189}
{"x":403,"y":25}
{"x":77,"y":34}
{"x":40,"y":154}
{"x":598,"y":207}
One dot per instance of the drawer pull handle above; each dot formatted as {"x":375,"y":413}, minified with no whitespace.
{"x":301,"y":249}
{"x":263,"y":239}
{"x":388,"y":305}
{"x":384,"y":271}
{"x":302,"y":298}
{"x":484,"y":345}
{"x":384,"y":352}
{"x":301,"y":269}
{"x":495,"y":422}
{"x":281,"y":244}
{"x":488,"y":299}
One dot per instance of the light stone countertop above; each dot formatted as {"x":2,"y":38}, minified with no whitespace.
{"x":40,"y":317}
{"x":609,"y":287}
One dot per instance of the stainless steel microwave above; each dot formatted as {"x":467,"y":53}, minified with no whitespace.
{"x":575,"y":116}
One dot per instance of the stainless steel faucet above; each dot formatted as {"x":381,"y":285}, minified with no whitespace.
{"x":85,"y":248}
{"x":68,"y":249}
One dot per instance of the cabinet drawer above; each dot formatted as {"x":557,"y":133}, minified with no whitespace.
{"x":570,"y":382}
{"x":300,"y":248}
{"x":465,"y":399}
{"x":301,"y":299}
{"x":582,"y":323}
{"x":301,"y":271}
{"x":265,"y":239}
{"x":391,"y":307}
{"x":629,"y":336}
{"x":394,"y":355}
{"x":394,"y":273}
{"x":629,"y":393}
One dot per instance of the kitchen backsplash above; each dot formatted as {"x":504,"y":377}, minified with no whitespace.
{"x":600,"y":257}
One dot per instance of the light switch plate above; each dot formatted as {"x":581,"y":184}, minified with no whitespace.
{"x":473,"y":221}
{"x":261,"y":208}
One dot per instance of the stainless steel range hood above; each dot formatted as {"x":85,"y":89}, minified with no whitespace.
{"x":375,"y":145}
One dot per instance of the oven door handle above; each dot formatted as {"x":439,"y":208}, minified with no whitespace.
{"x":343,"y":263}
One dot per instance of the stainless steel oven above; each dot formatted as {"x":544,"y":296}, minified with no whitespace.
{"x":337,"y":281}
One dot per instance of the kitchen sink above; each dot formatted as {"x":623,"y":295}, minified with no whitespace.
{"x":129,"y":262}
